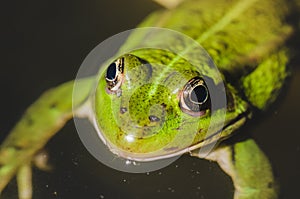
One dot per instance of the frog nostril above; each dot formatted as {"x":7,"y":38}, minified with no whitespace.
{"x":153,"y":118}
{"x":123,"y":110}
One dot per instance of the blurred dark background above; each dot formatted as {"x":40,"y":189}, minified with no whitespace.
{"x":43,"y":43}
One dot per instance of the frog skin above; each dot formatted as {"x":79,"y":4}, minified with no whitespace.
{"x":250,"y":54}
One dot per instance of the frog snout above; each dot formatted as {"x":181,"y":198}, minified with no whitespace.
{"x":154,"y":118}
{"x":148,"y":115}
{"x":147,"y":105}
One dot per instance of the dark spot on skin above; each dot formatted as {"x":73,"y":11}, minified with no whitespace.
{"x":195,"y":11}
{"x":218,"y":51}
{"x":185,"y":27}
{"x":232,"y":154}
{"x":200,"y":130}
{"x":222,"y":33}
{"x":127,"y":149}
{"x":153,"y":118}
{"x":18,"y":148}
{"x":2,"y":163}
{"x":53,"y":105}
{"x":167,"y":57}
{"x":120,"y":135}
{"x":29,"y":121}
{"x":259,"y":12}
{"x":270,"y":185}
{"x":225,"y":45}
{"x":123,"y":110}
{"x":230,"y":102}
{"x":234,"y":21}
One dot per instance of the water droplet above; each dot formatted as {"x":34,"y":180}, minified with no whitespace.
{"x":135,"y":163}
{"x":128,"y":162}
{"x":171,"y":189}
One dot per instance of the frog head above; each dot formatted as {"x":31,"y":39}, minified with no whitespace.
{"x":152,"y":104}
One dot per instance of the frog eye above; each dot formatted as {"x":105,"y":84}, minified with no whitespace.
{"x":114,"y":75}
{"x":194,"y":98}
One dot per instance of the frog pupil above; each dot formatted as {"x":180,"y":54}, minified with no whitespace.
{"x":111,"y":72}
{"x":199,"y":94}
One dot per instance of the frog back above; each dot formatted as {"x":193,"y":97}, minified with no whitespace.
{"x":243,"y":37}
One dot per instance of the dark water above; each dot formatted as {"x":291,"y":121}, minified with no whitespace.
{"x":43,"y":44}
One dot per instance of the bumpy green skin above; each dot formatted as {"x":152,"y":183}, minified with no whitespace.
{"x":153,"y":90}
{"x":245,"y":39}
{"x":248,"y":53}
{"x":248,"y":167}
{"x":237,"y":34}
{"x":237,"y":45}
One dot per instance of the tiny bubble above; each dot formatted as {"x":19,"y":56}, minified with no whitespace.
{"x":176,"y":166}
{"x":128,"y":162}
{"x":135,"y":163}
{"x":75,"y":162}
{"x":101,"y":196}
{"x":124,"y":180}
{"x":198,"y":188}
{"x":171,"y":190}
{"x":159,"y":173}
{"x":147,"y":173}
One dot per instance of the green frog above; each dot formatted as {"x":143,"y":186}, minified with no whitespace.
{"x":151,"y":104}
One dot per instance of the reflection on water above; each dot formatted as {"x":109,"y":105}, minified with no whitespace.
{"x":44,"y":44}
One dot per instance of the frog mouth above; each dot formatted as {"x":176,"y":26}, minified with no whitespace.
{"x":206,"y":145}
{"x":224,"y":132}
